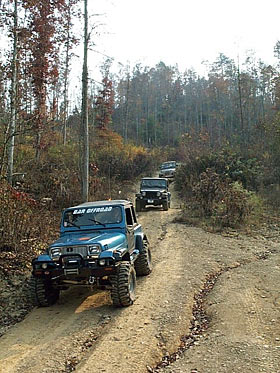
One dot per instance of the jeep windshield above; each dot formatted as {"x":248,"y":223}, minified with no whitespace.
{"x":150,"y":183}
{"x":100,"y":215}
{"x":168,"y":165}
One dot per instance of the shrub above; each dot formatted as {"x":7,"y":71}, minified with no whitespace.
{"x":119,"y":161}
{"x":25,"y":225}
{"x":208,"y":191}
{"x":57,"y":174}
{"x":236,"y":206}
{"x":225,"y":163}
{"x":227,"y":204}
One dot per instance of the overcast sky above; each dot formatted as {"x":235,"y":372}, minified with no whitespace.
{"x":185,"y":32}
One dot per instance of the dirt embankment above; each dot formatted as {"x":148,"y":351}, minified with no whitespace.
{"x":219,"y":292}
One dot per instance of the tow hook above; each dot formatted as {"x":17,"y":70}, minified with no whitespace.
{"x":91,"y":280}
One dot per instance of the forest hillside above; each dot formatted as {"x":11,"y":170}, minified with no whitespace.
{"x":56,"y":150}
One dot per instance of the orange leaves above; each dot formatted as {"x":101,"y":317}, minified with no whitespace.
{"x":24,"y":197}
{"x":104,"y":104}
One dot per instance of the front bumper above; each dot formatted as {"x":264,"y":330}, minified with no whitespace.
{"x":167,"y":176}
{"x":80,"y":268}
{"x":152,"y":200}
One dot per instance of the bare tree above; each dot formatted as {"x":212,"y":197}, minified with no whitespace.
{"x":240,"y":103}
{"x":70,"y":41}
{"x":12,"y":125}
{"x":84,"y":121}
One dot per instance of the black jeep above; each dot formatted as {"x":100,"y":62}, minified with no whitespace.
{"x":153,"y":192}
{"x":101,"y":245}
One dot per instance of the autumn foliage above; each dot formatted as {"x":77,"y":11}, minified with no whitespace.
{"x":221,"y":187}
{"x":25,"y":226}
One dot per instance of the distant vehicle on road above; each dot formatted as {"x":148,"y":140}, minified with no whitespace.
{"x":168,"y":169}
{"x":153,"y":192}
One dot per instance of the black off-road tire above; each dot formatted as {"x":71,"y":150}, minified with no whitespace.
{"x":137,"y":205}
{"x":165,"y":205}
{"x":123,"y":285}
{"x":143,"y":264}
{"x":42,"y":293}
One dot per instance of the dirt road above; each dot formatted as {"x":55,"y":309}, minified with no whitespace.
{"x":211,"y":304}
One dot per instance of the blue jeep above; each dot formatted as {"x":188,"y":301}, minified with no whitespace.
{"x":101,"y":244}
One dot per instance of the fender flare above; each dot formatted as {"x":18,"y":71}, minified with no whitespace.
{"x":140,"y":238}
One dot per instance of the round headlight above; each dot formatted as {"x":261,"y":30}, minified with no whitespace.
{"x":158,"y":194}
{"x":143,"y":193}
{"x":102,"y":262}
{"x":45,"y":265}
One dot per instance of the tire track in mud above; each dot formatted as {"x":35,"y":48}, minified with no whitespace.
{"x":200,"y":319}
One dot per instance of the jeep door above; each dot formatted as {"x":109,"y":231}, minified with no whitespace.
{"x":131,"y":225}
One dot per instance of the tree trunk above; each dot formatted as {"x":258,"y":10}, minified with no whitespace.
{"x":66,"y":75}
{"x":126,"y":108}
{"x":84,"y":134}
{"x":12,"y":127}
{"x":240,"y":107}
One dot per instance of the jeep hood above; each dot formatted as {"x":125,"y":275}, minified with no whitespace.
{"x":107,"y":240}
{"x":168,"y":169}
{"x":145,"y":189}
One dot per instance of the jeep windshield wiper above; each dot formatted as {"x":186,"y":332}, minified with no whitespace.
{"x":97,"y":222}
{"x":73,"y":224}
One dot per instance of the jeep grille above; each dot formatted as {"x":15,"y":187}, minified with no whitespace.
{"x":72,"y":250}
{"x":168,"y":172}
{"x":151,"y":195}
